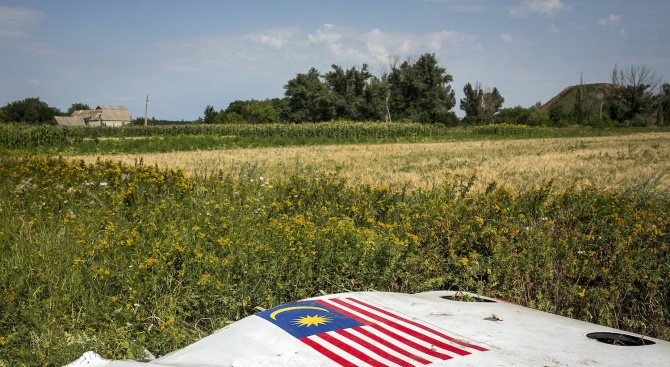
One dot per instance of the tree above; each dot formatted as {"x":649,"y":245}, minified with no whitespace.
{"x":515,"y":115}
{"x":232,"y":117}
{"x":420,"y":90}
{"x":634,"y":92}
{"x":559,"y":116}
{"x":29,"y":110}
{"x":492,"y":102}
{"x":376,"y":100}
{"x":309,"y":99}
{"x":348,"y":90}
{"x":480,"y":105}
{"x":580,"y":111}
{"x":538,"y":117}
{"x":210,"y":115}
{"x":471,"y":104}
{"x":664,"y":105}
{"x":76,"y":107}
{"x":253,"y":112}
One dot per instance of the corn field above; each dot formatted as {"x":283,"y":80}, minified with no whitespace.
{"x":22,"y":137}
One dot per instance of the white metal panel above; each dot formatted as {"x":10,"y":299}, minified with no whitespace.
{"x":428,"y":327}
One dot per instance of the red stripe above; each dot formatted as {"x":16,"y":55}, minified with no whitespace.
{"x":404,"y":329}
{"x":410,"y":343}
{"x":391,"y":334}
{"x":388,"y":344}
{"x":326,"y":303}
{"x":424,"y":327}
{"x":373,"y":348}
{"x":327,"y":352}
{"x":351,"y":350}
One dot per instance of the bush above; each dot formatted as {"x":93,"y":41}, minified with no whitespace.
{"x":640,"y":121}
{"x":115,"y":258}
{"x":509,"y":130}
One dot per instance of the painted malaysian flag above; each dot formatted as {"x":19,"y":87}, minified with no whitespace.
{"x":352,"y":332}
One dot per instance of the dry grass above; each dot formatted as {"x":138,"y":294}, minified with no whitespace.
{"x":610,"y":161}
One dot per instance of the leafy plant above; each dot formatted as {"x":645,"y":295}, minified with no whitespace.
{"x":117,"y":258}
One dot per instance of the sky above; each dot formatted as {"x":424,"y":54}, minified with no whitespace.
{"x":186,"y":55}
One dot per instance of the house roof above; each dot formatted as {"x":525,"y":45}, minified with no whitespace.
{"x":69,"y":121}
{"x":83,"y":113}
{"x":111,"y":113}
{"x":105,"y":113}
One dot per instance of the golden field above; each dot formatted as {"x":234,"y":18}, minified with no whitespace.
{"x":124,"y":257}
{"x":611,"y":161}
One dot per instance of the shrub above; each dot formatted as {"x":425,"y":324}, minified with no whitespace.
{"x":116,"y":258}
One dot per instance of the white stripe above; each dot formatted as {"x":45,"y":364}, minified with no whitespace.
{"x":348,"y":307}
{"x":363,"y":349}
{"x":414,"y":328}
{"x":395,"y":342}
{"x":338,"y":351}
{"x":390,"y":328}
{"x":369,"y":353}
{"x":419,"y":342}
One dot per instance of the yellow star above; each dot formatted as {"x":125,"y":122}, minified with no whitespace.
{"x":308,"y":321}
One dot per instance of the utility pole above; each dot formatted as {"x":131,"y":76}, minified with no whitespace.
{"x":388,"y":112}
{"x":146,"y":109}
{"x":600,"y":97}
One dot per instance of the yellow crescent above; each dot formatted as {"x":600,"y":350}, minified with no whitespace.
{"x":274,"y":314}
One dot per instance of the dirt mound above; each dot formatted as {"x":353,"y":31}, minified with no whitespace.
{"x":592,"y":93}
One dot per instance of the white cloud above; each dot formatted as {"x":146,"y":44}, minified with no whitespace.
{"x":293,"y":49}
{"x":623,"y":34}
{"x":437,"y":40}
{"x":544,"y":7}
{"x":34,"y":81}
{"x":277,"y":38}
{"x":327,"y":35}
{"x":47,"y":50}
{"x":464,"y":6}
{"x":18,"y":22}
{"x":341,"y":42}
{"x":612,"y":20}
{"x":506,"y":37}
{"x":468,"y":8}
{"x":553,"y":29}
{"x":204,"y":53}
{"x":382,"y":45}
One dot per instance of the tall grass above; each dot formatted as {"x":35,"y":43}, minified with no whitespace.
{"x":120,"y":257}
{"x":612,"y":162}
{"x":85,"y":140}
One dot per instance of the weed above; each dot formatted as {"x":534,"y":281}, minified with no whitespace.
{"x":117,"y":257}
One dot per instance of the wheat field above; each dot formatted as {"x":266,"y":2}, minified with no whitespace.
{"x":611,"y":161}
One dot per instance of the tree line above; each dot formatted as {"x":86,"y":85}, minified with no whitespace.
{"x":34,"y":111}
{"x":414,"y":89}
{"x":418,"y":89}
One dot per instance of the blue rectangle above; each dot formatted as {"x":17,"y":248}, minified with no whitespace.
{"x":306,"y":318}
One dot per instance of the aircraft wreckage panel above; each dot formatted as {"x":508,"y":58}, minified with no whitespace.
{"x":393,"y":329}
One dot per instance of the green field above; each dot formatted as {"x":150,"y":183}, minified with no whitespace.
{"x":117,"y":257}
{"x":141,"y":139}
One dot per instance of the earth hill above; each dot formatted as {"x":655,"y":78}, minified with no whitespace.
{"x":593,"y":94}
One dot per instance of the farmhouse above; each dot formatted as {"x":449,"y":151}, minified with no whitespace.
{"x":101,"y":116}
{"x":69,"y":121}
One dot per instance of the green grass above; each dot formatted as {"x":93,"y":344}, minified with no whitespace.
{"x":140,"y":139}
{"x":116,"y":258}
